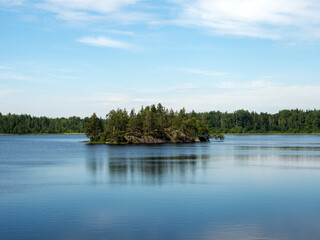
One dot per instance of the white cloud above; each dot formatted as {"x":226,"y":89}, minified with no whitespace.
{"x":101,"y":6}
{"x":227,"y":85}
{"x":185,"y":86}
{"x":261,"y":83}
{"x":13,"y":76}
{"x":6,"y":91}
{"x":202,"y":72}
{"x":273,"y":19}
{"x":92,"y":11}
{"x":197,"y":71}
{"x":11,"y":2}
{"x":65,"y":77}
{"x":254,"y":18}
{"x":119,"y":32}
{"x":102,"y":98}
{"x":255,"y":96}
{"x":104,"y":42}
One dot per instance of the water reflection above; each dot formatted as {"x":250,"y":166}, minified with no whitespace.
{"x":283,"y":148}
{"x":151,"y":170}
{"x":275,"y":160}
{"x":153,"y":167}
{"x":248,"y":187}
{"x":171,"y":164}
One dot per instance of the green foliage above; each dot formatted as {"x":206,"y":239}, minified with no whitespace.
{"x":152,"y":121}
{"x":26,"y":124}
{"x":155,"y":119}
{"x":94,"y":128}
{"x":285,"y":121}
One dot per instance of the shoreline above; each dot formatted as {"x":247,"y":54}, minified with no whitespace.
{"x":36,"y":134}
{"x":270,"y":134}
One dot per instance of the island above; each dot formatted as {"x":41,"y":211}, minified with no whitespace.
{"x":150,"y":125}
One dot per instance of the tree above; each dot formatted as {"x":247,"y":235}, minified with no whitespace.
{"x":94,"y":128}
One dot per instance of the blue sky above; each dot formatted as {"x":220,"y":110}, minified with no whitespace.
{"x":76,"y":57}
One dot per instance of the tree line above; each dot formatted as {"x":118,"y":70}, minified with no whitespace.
{"x":285,"y":121}
{"x":26,"y":124}
{"x":153,"y":117}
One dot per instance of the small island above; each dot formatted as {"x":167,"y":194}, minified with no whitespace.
{"x":151,"y":125}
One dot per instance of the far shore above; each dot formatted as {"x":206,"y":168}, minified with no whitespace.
{"x":4,"y":134}
{"x":275,"y":133}
{"x":271,"y":133}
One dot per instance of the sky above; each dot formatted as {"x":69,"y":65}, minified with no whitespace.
{"x":75,"y":57}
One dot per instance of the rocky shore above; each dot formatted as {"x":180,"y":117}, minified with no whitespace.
{"x":157,"y":137}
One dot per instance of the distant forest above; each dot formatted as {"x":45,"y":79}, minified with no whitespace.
{"x":26,"y":124}
{"x":285,"y":121}
{"x":241,"y":121}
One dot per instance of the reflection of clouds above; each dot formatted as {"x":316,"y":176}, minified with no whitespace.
{"x":275,"y":229}
{"x":233,"y":232}
{"x":190,"y":163}
{"x":208,"y":191}
{"x":277,"y":160}
{"x":184,"y":163}
{"x":282,"y":148}
{"x":100,"y":219}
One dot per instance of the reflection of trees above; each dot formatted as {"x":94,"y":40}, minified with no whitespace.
{"x":181,"y":163}
{"x":95,"y":158}
{"x":152,"y":169}
{"x":142,"y":165}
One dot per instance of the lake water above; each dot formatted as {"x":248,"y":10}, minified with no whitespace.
{"x":247,"y":187}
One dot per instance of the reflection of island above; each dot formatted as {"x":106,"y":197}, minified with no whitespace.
{"x":168,"y":163}
{"x":123,"y":168}
{"x":153,"y":169}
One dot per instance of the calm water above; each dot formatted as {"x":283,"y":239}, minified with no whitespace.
{"x":248,"y":187}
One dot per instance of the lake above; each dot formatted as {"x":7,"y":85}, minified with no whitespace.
{"x":247,"y":187}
